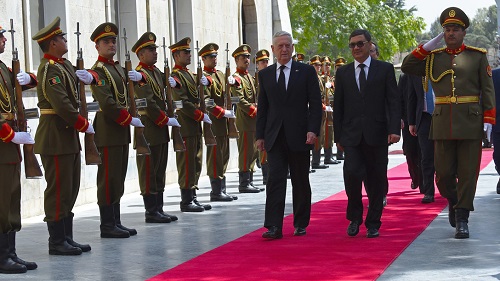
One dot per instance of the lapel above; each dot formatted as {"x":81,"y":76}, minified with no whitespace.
{"x":294,"y":73}
{"x":352,"y":76}
{"x":372,"y":72}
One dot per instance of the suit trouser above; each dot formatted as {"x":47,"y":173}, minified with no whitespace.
{"x":10,"y":197}
{"x":457,"y":168}
{"x":111,"y":174}
{"x":218,"y":157}
{"x":411,"y":150}
{"x":247,"y":151}
{"x":189,"y":162}
{"x":280,"y":158}
{"x":62,"y":173}
{"x":152,"y":169}
{"x":426,"y":154}
{"x":365,"y":162}
{"x":496,"y":149}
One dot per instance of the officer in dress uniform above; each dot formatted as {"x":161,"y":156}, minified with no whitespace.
{"x":316,"y":151}
{"x":262,"y":60}
{"x":150,"y":84}
{"x":340,"y":61}
{"x":112,"y":125}
{"x":246,"y":111}
{"x":464,"y":98}
{"x":217,"y":155}
{"x":329,"y":89}
{"x":57,"y":139}
{"x":10,"y":166}
{"x":183,"y":81}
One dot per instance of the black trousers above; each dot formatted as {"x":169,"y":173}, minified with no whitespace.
{"x":369,"y":163}
{"x":411,"y":150}
{"x":279,"y":159}
{"x":426,"y":154}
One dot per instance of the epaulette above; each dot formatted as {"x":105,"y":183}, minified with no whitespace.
{"x":52,"y":61}
{"x":100,"y":64}
{"x":481,"y":50}
{"x":438,"y":50}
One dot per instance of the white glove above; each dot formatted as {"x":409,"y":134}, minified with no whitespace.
{"x":23,"y":78}
{"x":328,"y":109}
{"x":84,"y":76}
{"x":328,"y":85}
{"x":231,"y":80}
{"x":23,"y":137}
{"x":90,"y":129}
{"x":173,"y":122}
{"x":172,"y":82}
{"x":204,"y":80}
{"x":136,"y":122}
{"x":229,"y":114}
{"x":206,"y":119}
{"x":433,"y":43}
{"x":134,"y":76}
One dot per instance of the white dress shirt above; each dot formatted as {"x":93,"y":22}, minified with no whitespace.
{"x":357,"y":69}
{"x":286,"y":71}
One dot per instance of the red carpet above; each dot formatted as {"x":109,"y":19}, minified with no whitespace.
{"x":326,"y":252}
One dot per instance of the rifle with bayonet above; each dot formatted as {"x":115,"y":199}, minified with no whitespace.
{"x":31,"y":166}
{"x":208,"y":135}
{"x":232,"y":130}
{"x":141,"y":145}
{"x":329,"y":115}
{"x":92,"y":156}
{"x":176,"y":131}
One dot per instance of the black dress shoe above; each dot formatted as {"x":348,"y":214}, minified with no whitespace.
{"x":384,"y":201}
{"x":319,"y":166}
{"x":299,"y":231}
{"x":413,"y":185}
{"x":498,"y":187}
{"x":273,"y":232}
{"x":353,"y":228}
{"x":428,"y":199}
{"x":372,"y":233}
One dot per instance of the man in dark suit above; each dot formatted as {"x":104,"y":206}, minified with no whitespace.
{"x":495,"y":134}
{"x":367,"y":112}
{"x":288,"y":123}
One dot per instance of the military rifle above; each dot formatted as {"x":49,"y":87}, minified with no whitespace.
{"x":141,"y":145}
{"x":208,"y":135}
{"x":92,"y":156}
{"x":176,"y":131}
{"x":233,"y":131}
{"x":329,"y":115}
{"x":31,"y":166}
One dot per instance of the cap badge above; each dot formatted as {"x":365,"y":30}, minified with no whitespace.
{"x":107,"y":28}
{"x":188,"y":41}
{"x":452,"y":13}
{"x":245,"y":48}
{"x":264,"y":53}
{"x":151,"y":37}
{"x":211,"y":47}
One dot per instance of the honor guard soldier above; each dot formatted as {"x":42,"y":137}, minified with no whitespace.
{"x":217,"y":155}
{"x":246,"y":111}
{"x":150,"y":84}
{"x":316,"y":151}
{"x":464,"y":98}
{"x":57,"y":139}
{"x":10,"y":166}
{"x":112,"y":125}
{"x":329,"y":90}
{"x":340,"y":61}
{"x":262,"y":60}
{"x":300,"y":57}
{"x":190,"y":117}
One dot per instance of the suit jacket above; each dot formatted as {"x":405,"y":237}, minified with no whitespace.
{"x":416,"y":94}
{"x":299,"y":111}
{"x":373,"y":114}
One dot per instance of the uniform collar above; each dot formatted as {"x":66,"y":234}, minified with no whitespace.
{"x":180,"y":67}
{"x":241,"y":71}
{"x":149,"y":67}
{"x":51,"y":57}
{"x":455,"y":51}
{"x":209,"y":70}
{"x":105,"y":60}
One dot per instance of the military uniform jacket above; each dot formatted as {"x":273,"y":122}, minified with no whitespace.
{"x":189,"y":115}
{"x":154,"y":116}
{"x":244,"y":88}
{"x":216,"y":91}
{"x":112,"y":122}
{"x":461,"y":72}
{"x":60,"y":121}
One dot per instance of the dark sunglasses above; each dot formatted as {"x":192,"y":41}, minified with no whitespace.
{"x":358,"y":44}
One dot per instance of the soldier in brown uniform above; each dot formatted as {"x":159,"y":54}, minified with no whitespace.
{"x":10,"y":167}
{"x":190,"y":117}
{"x":316,"y":151}
{"x":328,"y":81}
{"x":150,"y":84}
{"x":217,"y":155}
{"x":262,"y":60}
{"x":340,"y":61}
{"x":112,"y":125}
{"x":464,"y":98}
{"x":57,"y":139}
{"x":246,"y":111}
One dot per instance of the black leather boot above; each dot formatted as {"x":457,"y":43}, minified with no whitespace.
{"x":251,"y":183}
{"x":329,"y":157}
{"x":187,"y":204}
{"x":216,"y":193}
{"x":159,"y":206}
{"x":108,"y":224}
{"x":462,"y":219}
{"x":245,"y":186}
{"x":12,"y":252}
{"x":68,"y":229}
{"x":152,"y":215}
{"x":315,"y":163}
{"x":340,"y":154}
{"x":451,"y":211}
{"x":223,"y":189}
{"x":118,"y":221}
{"x":196,"y":202}
{"x":7,"y":265}
{"x":265,"y":173}
{"x":57,"y":240}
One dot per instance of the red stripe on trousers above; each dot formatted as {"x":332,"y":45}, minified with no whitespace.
{"x":58,"y":188}
{"x":106,"y":173}
{"x":244,"y":151}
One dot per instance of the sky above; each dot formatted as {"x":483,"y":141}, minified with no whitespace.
{"x":431,"y":9}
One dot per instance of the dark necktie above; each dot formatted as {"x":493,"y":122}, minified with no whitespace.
{"x":281,"y":81}
{"x":362,"y":77}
